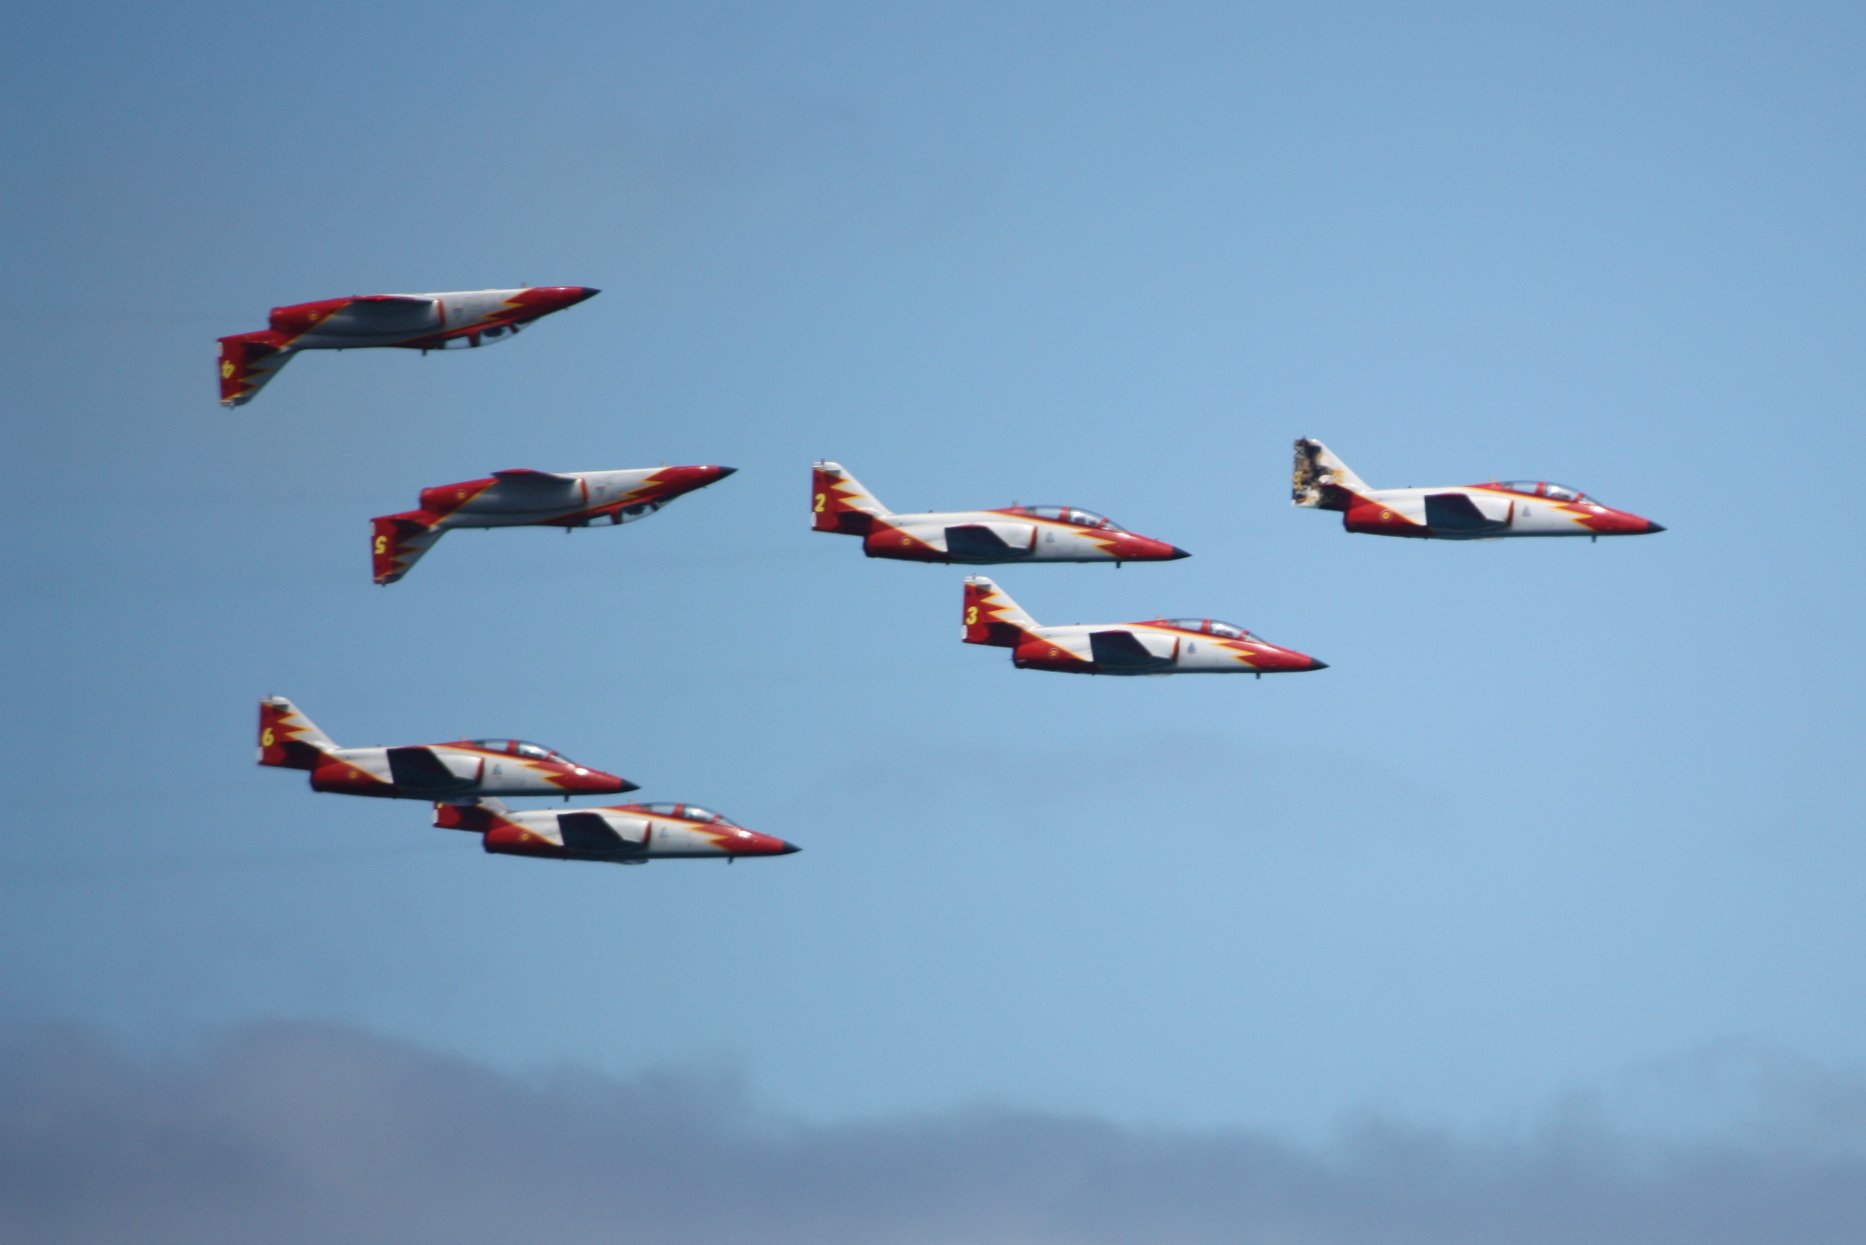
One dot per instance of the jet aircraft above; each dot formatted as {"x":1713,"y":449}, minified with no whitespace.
{"x":524,"y":498}
{"x":461,"y":770}
{"x":1462,"y":512}
{"x":839,"y":503}
{"x":625,"y":834}
{"x":1159,"y":646}
{"x":421,"y":322}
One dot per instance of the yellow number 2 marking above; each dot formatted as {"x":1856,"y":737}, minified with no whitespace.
{"x":971,"y":615}
{"x":382,"y":544}
{"x":819,"y":504}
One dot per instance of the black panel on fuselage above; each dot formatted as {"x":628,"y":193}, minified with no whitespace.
{"x":974,"y":542}
{"x":592,"y":833}
{"x":1120,"y":650}
{"x":1456,"y":514}
{"x":418,"y":769}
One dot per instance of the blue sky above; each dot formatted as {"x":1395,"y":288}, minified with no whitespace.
{"x":1558,"y":814}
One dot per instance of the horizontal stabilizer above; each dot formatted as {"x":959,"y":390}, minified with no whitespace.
{"x":418,"y":769}
{"x":1122,"y":650}
{"x":592,"y":833}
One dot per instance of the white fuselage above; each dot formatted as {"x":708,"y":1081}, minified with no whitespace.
{"x":377,"y":325}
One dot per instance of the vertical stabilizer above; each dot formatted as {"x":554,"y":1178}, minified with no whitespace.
{"x":1321,"y":480}
{"x":288,"y":738}
{"x":397,"y":542}
{"x":991,"y":617}
{"x":839,"y":503}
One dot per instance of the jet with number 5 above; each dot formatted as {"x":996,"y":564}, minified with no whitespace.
{"x":459,"y":771}
{"x":525,"y":498}
{"x":1158,"y":646}
{"x":1322,"y":481}
{"x":424,"y":322}
{"x":625,"y":834}
{"x":839,"y":503}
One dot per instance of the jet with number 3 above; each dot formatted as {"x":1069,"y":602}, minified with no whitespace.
{"x":839,"y":503}
{"x":459,"y":771}
{"x":624,"y":834}
{"x":1321,"y":481}
{"x":1158,"y":646}
{"x":423,"y":322}
{"x":525,"y":498}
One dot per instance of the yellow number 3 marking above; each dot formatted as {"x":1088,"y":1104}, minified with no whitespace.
{"x":971,"y":615}
{"x":382,"y":544}
{"x":265,"y":738}
{"x":819,"y":504}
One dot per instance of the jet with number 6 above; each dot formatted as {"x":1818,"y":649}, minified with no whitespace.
{"x":1158,"y":646}
{"x":624,"y":834}
{"x":1321,"y":481}
{"x":525,"y":498}
{"x":459,"y":771}
{"x":424,"y":322}
{"x":839,"y":503}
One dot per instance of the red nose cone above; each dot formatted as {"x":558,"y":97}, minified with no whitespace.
{"x":594,"y":782}
{"x":755,"y":844}
{"x":686,"y":479}
{"x":1132,"y":548}
{"x":1620,"y":523}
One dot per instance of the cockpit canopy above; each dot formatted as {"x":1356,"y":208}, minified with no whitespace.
{"x":1212,"y":627}
{"x":519,"y":748}
{"x":688,"y":812}
{"x":1541,"y":488}
{"x":1068,"y":514}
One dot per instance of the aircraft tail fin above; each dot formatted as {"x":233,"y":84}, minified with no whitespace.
{"x":839,"y":503}
{"x":399,"y":540}
{"x":991,"y":617}
{"x":247,"y":362}
{"x":480,"y":816}
{"x":1321,"y":480}
{"x":288,"y":738}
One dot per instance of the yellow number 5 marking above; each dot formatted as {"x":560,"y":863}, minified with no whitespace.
{"x":382,"y":544}
{"x":819,"y":504}
{"x":971,"y":615}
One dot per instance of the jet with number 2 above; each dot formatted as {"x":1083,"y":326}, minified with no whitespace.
{"x":839,"y":503}
{"x":1321,"y":481}
{"x":625,"y":834}
{"x":424,"y":322}
{"x":1158,"y":646}
{"x":525,"y":498}
{"x":459,"y":771}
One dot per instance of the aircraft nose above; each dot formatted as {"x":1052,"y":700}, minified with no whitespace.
{"x":789,"y":848}
{"x":1316,"y":665}
{"x":1654,"y":527}
{"x":1177,"y":553}
{"x":582,"y":292}
{"x":725,"y":471}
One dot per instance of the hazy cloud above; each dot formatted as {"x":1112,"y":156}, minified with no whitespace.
{"x":300,"y":1132}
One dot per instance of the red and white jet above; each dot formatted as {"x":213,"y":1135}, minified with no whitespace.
{"x":1461,"y":512}
{"x":421,"y":322}
{"x":1158,"y":646}
{"x":624,"y":834}
{"x":839,"y":503}
{"x":524,"y":498}
{"x":461,"y":770}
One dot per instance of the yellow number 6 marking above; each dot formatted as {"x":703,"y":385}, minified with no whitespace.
{"x":382,"y":544}
{"x":971,"y":615}
{"x":819,"y":504}
{"x":265,"y":738}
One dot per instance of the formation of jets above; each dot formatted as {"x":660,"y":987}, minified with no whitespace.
{"x":464,"y":778}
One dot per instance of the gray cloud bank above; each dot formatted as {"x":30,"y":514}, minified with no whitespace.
{"x":297,"y":1132}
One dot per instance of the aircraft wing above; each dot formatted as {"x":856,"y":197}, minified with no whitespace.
{"x":247,"y":362}
{"x":592,"y":833}
{"x":418,"y":769}
{"x":391,"y":313}
{"x":989,"y":541}
{"x":1122,"y":650}
{"x":1456,"y":512}
{"x":525,"y":480}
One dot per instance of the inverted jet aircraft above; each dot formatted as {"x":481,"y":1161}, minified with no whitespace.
{"x":525,"y":498}
{"x":423,"y":322}
{"x":457,"y":771}
{"x":839,"y":503}
{"x":1462,"y":512}
{"x":624,"y":834}
{"x":1158,"y":646}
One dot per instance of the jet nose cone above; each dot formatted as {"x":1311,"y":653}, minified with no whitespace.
{"x":1177,"y":553}
{"x":582,"y":292}
{"x":1317,"y":665}
{"x":1654,"y":527}
{"x":788,"y":849}
{"x":722,"y":472}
